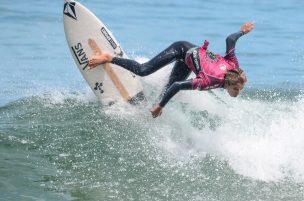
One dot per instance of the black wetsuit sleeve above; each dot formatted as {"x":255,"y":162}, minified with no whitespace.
{"x":173,"y":89}
{"x":231,"y":40}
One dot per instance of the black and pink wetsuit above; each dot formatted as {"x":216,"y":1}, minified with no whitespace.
{"x":208,"y":67}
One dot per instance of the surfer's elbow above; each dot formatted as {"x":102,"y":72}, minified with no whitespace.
{"x":176,"y":86}
{"x":143,"y":73}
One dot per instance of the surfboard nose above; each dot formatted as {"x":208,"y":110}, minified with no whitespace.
{"x":69,"y":9}
{"x":69,"y":1}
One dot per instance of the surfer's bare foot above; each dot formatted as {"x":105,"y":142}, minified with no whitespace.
{"x":98,"y":59}
{"x":156,"y":111}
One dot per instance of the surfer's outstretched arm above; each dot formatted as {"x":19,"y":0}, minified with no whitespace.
{"x":232,"y":38}
{"x":231,"y":41}
{"x":172,"y":90}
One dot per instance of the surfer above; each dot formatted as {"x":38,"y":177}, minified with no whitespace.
{"x":211,"y":70}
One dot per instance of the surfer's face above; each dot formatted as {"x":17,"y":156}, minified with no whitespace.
{"x":234,"y":90}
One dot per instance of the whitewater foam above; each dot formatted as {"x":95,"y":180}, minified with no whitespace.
{"x":259,"y":138}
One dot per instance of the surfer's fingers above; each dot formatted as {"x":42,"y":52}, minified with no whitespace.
{"x":155,"y":114}
{"x":91,"y":67}
{"x":91,"y":62}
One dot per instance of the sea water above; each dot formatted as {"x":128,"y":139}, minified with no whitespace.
{"x":58,"y":143}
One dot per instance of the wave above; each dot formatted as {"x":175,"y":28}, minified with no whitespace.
{"x":258,"y":134}
{"x":202,"y":137}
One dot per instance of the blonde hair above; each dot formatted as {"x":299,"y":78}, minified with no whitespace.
{"x":235,"y":76}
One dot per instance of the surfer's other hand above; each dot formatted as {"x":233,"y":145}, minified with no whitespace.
{"x":247,"y":27}
{"x":156,"y":111}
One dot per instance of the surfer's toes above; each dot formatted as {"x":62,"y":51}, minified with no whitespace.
{"x":92,"y":66}
{"x":94,"y":62}
{"x":99,"y":59}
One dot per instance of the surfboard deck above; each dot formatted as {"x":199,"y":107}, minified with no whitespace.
{"x":86,"y":35}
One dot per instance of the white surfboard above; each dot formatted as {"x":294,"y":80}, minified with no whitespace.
{"x":85,"y":33}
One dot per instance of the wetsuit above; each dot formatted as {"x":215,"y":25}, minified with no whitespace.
{"x":188,"y":58}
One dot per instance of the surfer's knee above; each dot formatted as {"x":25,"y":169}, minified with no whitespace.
{"x":182,"y":47}
{"x":144,"y":70}
{"x":180,"y":44}
{"x":176,"y":86}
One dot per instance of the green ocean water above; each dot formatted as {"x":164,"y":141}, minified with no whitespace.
{"x":61,"y":146}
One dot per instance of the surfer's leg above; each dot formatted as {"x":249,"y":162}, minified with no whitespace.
{"x":176,"y":51}
{"x":179,"y":72}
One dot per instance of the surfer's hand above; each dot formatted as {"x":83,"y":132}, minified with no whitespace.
{"x":156,"y":111}
{"x":247,"y":27}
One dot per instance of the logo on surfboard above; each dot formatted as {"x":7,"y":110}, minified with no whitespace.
{"x":80,"y":55}
{"x":119,"y":52}
{"x":108,"y":37}
{"x":69,"y":10}
{"x":98,"y":87}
